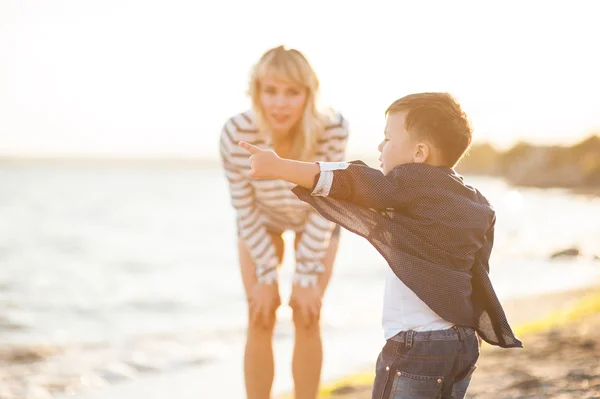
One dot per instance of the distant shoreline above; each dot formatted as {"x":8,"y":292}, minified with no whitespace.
{"x":124,"y":160}
{"x":575,"y":167}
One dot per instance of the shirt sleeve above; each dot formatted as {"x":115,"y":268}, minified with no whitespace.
{"x":249,"y":221}
{"x":325,"y":180}
{"x":317,"y":232}
{"x":368,"y":187}
{"x":482,"y":256}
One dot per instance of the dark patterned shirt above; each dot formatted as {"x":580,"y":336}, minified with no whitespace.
{"x":435,"y":232}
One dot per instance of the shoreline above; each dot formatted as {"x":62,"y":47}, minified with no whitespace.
{"x":552,"y":312}
{"x":186,"y":161}
{"x":543,"y":311}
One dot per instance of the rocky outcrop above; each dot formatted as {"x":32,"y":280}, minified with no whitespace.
{"x":524,"y":164}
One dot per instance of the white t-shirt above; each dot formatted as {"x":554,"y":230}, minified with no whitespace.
{"x":403,"y":310}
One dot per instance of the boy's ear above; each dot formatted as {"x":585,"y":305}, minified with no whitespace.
{"x":422,"y":152}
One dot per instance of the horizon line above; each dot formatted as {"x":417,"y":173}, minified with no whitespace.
{"x":214,"y":159}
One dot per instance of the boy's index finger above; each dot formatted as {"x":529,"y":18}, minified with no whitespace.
{"x":252,"y":149}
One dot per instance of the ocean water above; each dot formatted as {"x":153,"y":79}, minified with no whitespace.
{"x":132,"y":269}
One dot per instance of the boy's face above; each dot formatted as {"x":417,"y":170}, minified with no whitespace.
{"x":398,"y":147}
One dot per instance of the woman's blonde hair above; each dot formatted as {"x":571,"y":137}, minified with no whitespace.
{"x":291,"y":65}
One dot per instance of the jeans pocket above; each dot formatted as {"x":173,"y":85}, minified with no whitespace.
{"x":383,"y":370}
{"x":460,"y":386}
{"x":411,"y":386}
{"x":468,"y":374}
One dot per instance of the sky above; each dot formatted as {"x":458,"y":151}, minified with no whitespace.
{"x":160,"y":78}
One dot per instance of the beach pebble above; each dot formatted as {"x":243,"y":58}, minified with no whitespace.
{"x":26,"y":354}
{"x":569,"y":252}
{"x":56,"y":383}
{"x":579,"y":375}
{"x":143,"y":367}
{"x":344,"y":390}
{"x":117,"y":372}
{"x":143,"y":363}
{"x":6,"y":324}
{"x":527,"y":384}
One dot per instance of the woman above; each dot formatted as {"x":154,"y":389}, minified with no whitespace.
{"x":284,"y":117}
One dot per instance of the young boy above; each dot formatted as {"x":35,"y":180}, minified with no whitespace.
{"x":435,"y":232}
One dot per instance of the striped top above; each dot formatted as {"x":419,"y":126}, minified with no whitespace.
{"x":264,"y":205}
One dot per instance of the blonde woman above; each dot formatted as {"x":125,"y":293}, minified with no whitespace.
{"x":285,"y":118}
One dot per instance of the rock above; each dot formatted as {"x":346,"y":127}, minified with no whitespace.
{"x":344,"y":390}
{"x":569,"y":252}
{"x":58,"y":385}
{"x":6,"y":324}
{"x":117,"y":372}
{"x":588,"y":344}
{"x":143,"y":363}
{"x":142,"y":367}
{"x":527,"y":384}
{"x":26,"y":354}
{"x":579,"y":375}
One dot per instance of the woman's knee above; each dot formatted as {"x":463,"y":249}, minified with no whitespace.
{"x":313,"y":327}
{"x":262,"y":324}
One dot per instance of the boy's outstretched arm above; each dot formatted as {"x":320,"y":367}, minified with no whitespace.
{"x":266,"y":164}
{"x":353,"y":182}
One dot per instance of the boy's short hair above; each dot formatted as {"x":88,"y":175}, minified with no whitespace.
{"x":438,"y":118}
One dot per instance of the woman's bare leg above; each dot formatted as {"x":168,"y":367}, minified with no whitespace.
{"x":308,"y":351}
{"x":259,"y":365}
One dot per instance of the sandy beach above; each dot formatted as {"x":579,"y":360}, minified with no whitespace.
{"x":554,"y":327}
{"x":560,"y":358}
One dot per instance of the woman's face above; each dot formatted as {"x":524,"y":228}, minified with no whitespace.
{"x":282,"y":103}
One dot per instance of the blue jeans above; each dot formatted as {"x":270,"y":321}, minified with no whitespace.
{"x":426,"y":365}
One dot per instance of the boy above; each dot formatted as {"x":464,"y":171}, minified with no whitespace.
{"x":435,"y":232}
